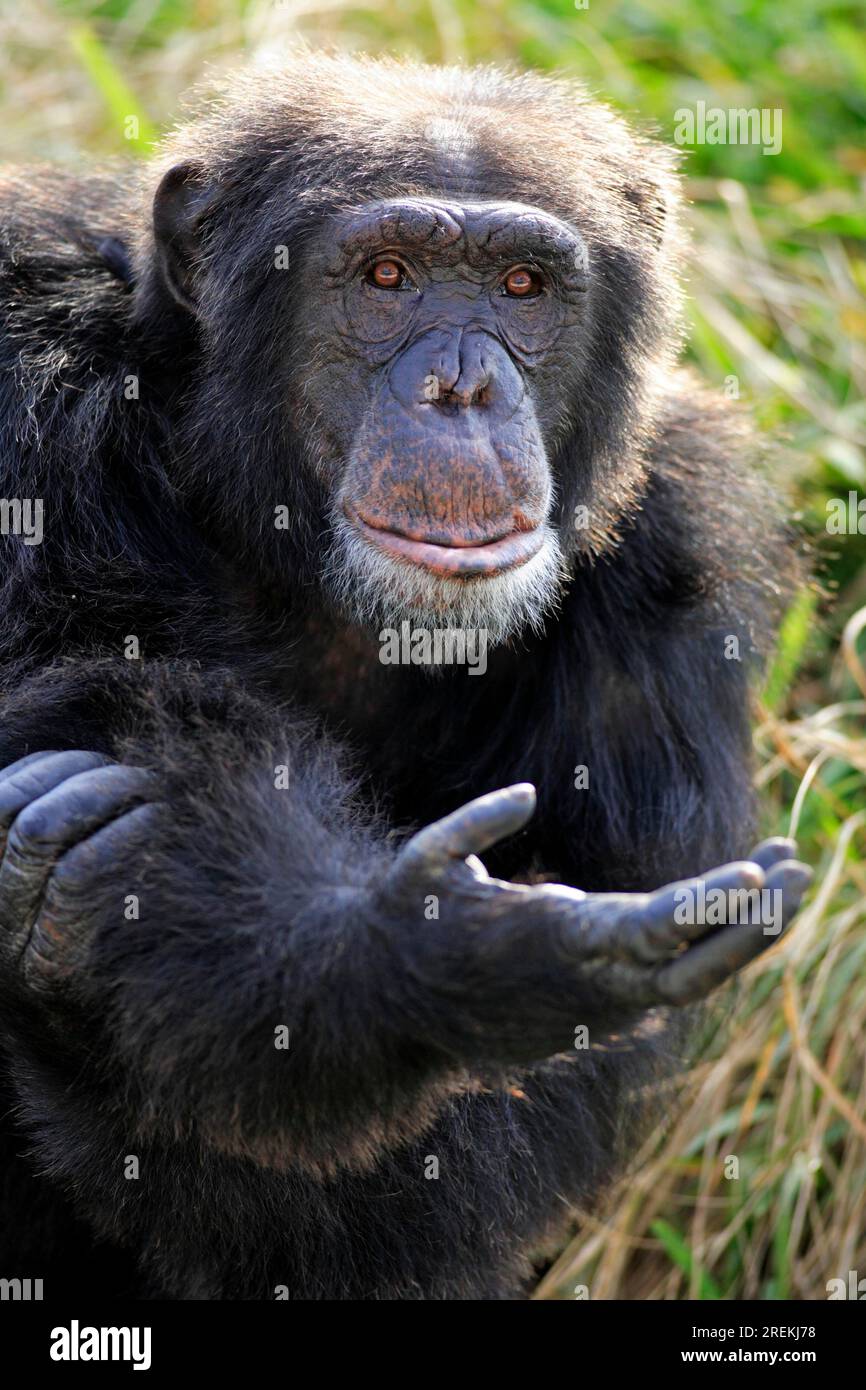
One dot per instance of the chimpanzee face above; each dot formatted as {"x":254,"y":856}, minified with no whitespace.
{"x":441,"y":381}
{"x":428,"y":361}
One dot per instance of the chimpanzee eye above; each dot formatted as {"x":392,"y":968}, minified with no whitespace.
{"x":521,"y":283}
{"x":388,"y":275}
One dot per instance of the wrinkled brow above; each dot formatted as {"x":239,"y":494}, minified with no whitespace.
{"x":513,"y":232}
{"x":413,"y":225}
{"x":475,"y":232}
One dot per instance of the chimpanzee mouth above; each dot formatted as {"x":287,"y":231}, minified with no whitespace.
{"x":377,"y":584}
{"x":459,"y":560}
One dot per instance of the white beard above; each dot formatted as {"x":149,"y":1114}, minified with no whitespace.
{"x":375,"y":590}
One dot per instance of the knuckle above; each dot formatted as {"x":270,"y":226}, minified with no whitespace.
{"x":34,"y":834}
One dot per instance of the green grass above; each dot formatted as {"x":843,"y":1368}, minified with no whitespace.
{"x":108,"y":80}
{"x":777,"y":288}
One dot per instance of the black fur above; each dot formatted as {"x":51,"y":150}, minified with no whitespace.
{"x":305,"y":1169}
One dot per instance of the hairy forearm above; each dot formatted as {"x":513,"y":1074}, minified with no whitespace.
{"x":258,"y":994}
{"x":220,"y":916}
{"x":237,"y":970}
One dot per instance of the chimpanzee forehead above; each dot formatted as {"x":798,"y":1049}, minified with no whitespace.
{"x":451,"y":231}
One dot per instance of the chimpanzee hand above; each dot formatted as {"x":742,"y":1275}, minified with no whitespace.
{"x":525,"y":965}
{"x":66,"y":822}
{"x":522,"y":966}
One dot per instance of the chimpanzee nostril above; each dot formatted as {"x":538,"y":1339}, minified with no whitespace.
{"x":447,"y":402}
{"x":451,"y":400}
{"x":476,"y":394}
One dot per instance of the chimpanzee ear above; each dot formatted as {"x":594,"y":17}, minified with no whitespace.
{"x":179,"y":207}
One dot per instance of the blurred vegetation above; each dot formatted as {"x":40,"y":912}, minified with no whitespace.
{"x":777,"y":282}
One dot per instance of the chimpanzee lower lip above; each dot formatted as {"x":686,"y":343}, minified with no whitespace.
{"x":456,"y":562}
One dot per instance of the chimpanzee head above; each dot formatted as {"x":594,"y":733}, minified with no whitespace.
{"x":425,"y":311}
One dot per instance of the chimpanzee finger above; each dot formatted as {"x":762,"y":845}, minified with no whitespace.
{"x":73,"y":809}
{"x":53,"y":823}
{"x":33,"y":776}
{"x":11,"y":768}
{"x":647,"y":927}
{"x":61,"y":937}
{"x":773,"y":851}
{"x":470,"y":830}
{"x":677,"y":912}
{"x":785,"y":885}
{"x":698,"y":971}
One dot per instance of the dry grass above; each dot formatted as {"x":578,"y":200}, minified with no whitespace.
{"x":781,"y":1088}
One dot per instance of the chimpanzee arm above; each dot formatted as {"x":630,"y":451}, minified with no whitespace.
{"x":214,"y":926}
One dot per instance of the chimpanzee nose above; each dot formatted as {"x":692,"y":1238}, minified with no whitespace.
{"x":453,"y":370}
{"x":448,"y":368}
{"x":474,"y":374}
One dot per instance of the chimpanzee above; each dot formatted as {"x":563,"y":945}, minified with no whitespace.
{"x":351,"y":493}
